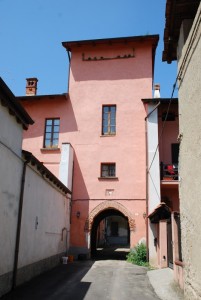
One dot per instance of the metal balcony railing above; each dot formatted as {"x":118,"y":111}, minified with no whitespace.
{"x":169,"y":171}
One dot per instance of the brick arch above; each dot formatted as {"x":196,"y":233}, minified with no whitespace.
{"x":109,"y":205}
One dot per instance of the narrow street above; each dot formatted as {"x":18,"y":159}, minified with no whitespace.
{"x":88,"y":280}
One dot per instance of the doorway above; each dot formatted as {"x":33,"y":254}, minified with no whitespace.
{"x":110,"y":235}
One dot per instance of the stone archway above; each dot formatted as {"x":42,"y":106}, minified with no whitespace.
{"x":109,"y":205}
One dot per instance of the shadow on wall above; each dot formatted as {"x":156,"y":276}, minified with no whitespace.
{"x":139,"y":66}
{"x":80,"y":209}
{"x":79,"y":186}
{"x":68,"y":119}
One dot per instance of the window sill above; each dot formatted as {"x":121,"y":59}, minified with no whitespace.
{"x":108,"y":178}
{"x":107,"y":135}
{"x":50,"y":149}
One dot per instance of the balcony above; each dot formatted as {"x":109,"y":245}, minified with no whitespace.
{"x":169,"y":172}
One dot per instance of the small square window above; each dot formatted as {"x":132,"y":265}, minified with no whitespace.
{"x":51,"y":138}
{"x":108,"y":170}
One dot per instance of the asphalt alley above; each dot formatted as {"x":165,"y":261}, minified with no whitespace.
{"x":88,"y":280}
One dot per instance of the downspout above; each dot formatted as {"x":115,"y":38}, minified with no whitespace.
{"x":62,"y":232}
{"x":147,"y":171}
{"x":19,"y":221}
{"x":71,"y":205}
{"x":149,"y":114}
{"x":69,"y":60}
{"x":147,"y":194}
{"x":71,"y":196}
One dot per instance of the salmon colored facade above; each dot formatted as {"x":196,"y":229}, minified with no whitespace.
{"x":113,"y":73}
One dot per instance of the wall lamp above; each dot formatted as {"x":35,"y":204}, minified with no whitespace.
{"x":78,"y":214}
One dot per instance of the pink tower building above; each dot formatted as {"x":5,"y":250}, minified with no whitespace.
{"x":93,"y":139}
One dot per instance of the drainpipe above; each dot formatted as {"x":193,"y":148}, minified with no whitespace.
{"x":71,"y":196}
{"x":19,"y":221}
{"x":62,"y":232}
{"x":147,"y":193}
{"x":157,"y":105}
{"x":69,"y":60}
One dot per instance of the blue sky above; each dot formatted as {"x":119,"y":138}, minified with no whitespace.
{"x":31,"y":32}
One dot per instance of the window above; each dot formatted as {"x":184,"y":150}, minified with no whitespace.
{"x":109,"y":120}
{"x":108,"y":170}
{"x":175,"y":153}
{"x":51,"y":133}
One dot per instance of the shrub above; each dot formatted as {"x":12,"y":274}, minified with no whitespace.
{"x":138,"y":255}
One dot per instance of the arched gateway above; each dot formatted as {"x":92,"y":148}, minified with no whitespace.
{"x":108,"y":225}
{"x":109,"y":205}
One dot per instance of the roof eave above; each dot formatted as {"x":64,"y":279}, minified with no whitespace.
{"x":65,"y":96}
{"x":28,"y":156}
{"x":176,"y":12}
{"x":15,"y":108}
{"x":69,"y":44}
{"x":161,"y":212}
{"x":161,"y":100}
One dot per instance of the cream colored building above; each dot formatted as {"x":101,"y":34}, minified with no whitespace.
{"x":182,"y":43}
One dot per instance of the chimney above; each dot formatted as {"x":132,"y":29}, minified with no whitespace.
{"x":31,"y":86}
{"x":157,"y":90}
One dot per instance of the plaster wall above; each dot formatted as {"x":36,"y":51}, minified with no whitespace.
{"x":11,"y":132}
{"x":10,"y":183}
{"x":170,"y":195}
{"x":33,"y":138}
{"x":178,"y":265}
{"x":153,"y":177}
{"x":153,"y":159}
{"x":190,"y":172}
{"x":170,"y":135}
{"x":184,"y":31}
{"x":92,"y":84}
{"x":45,"y":214}
{"x":66,"y":165}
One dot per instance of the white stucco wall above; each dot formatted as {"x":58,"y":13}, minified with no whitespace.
{"x":11,"y":131}
{"x":190,"y":159}
{"x":43,"y":202}
{"x":66,"y":165}
{"x":45,"y":214}
{"x":153,"y":177}
{"x":10,"y":182}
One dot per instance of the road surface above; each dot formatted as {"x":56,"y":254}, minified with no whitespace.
{"x":89,"y":280}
